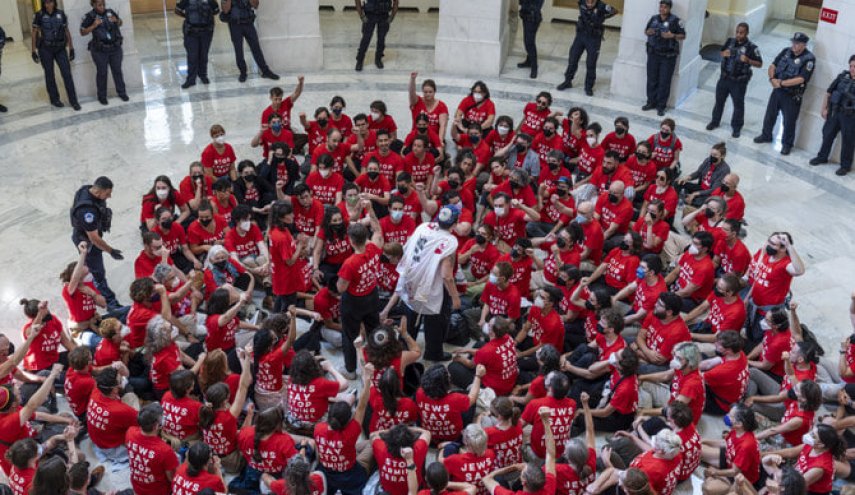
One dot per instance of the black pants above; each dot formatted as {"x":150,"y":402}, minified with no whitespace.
{"x":736,"y":90}
{"x":435,"y":328}
{"x":660,"y":70}
{"x":782,"y":101}
{"x":240,"y":32}
{"x":108,"y":57}
{"x":95,"y":263}
{"x":197,"y":42}
{"x":356,"y":311}
{"x":58,"y":55}
{"x":530,"y":27}
{"x":372,"y":21}
{"x":839,"y":122}
{"x":461,"y":376}
{"x":590,"y":44}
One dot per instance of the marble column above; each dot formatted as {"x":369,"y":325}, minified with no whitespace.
{"x":833,"y":45}
{"x":83,"y":68}
{"x":473,"y":37}
{"x":630,"y":67}
{"x":724,"y":15}
{"x":290,"y":34}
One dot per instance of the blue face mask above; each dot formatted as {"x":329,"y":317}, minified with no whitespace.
{"x":728,"y":422}
{"x":474,"y":139}
{"x":581,"y":219}
{"x":640,"y":272}
{"x":276,"y":127}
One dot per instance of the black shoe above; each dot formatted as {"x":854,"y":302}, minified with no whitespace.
{"x":736,"y":133}
{"x":242,"y":77}
{"x":524,"y":64}
{"x":711,"y":126}
{"x":533,"y":74}
{"x":57,"y":104}
{"x":187,"y":84}
{"x":762,"y":139}
{"x":124,"y":97}
{"x":76,"y":106}
{"x":589,"y":91}
{"x":841,"y":171}
{"x":270,"y":75}
{"x":785,"y":150}
{"x":204,"y":79}
{"x":102,"y":101}
{"x":359,"y":66}
{"x":648,"y":106}
{"x":3,"y":109}
{"x":818,"y":160}
{"x":660,"y":112}
{"x":565,"y":85}
{"x":378,"y":64}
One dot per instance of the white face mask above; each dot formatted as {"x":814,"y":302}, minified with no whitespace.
{"x":486,"y":329}
{"x":375,"y":116}
{"x":613,"y":359}
{"x":325,"y":173}
{"x":807,"y":439}
{"x":175,"y":283}
{"x":123,"y":382}
{"x":499,"y":211}
{"x":397,"y":215}
{"x":88,"y":278}
{"x":693,"y":250}
{"x":503,"y":130}
{"x":161,"y":193}
{"x":478,"y":97}
{"x":174,"y":333}
{"x":494,"y":279}
{"x":538,"y":302}
{"x":592,"y":142}
{"x":126,"y":330}
{"x":675,"y":364}
{"x":764,"y":325}
{"x":220,"y":139}
{"x":245,"y":225}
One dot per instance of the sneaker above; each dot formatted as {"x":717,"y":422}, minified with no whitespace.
{"x":648,"y":106}
{"x":268,"y":74}
{"x":204,"y":79}
{"x":817,"y":160}
{"x":564,"y":85}
{"x":762,"y":139}
{"x":841,"y":171}
{"x":242,"y":77}
{"x":711,"y":126}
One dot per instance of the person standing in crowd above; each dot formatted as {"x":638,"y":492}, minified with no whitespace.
{"x":106,"y":47}
{"x":90,"y":219}
{"x":789,"y":75}
{"x":49,"y":41}
{"x":198,"y":31}
{"x":240,"y":15}
{"x":664,"y":32}
{"x":379,"y":14}
{"x":3,"y":109}
{"x":838,"y":110}
{"x":738,"y":56}
{"x":531,"y":15}
{"x":589,"y":36}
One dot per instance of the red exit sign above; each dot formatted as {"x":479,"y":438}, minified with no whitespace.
{"x":828,"y":15}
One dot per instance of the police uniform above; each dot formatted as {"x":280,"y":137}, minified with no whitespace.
{"x":787,"y":100}
{"x":51,"y":48}
{"x":241,"y":19}
{"x":531,"y":16}
{"x":733,"y":82}
{"x":88,"y":214}
{"x":106,"y":49}
{"x":841,"y":119}
{"x":376,"y":13}
{"x":589,"y":36}
{"x":661,"y":59}
{"x":198,"y":32}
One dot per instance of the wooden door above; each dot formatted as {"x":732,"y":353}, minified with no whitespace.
{"x":808,"y":10}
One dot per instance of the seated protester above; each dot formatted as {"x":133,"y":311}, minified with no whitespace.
{"x":543,"y":326}
{"x":592,"y":371}
{"x":662,"y":189}
{"x":195,"y":186}
{"x":471,"y":461}
{"x":614,"y":212}
{"x":253,"y":191}
{"x":162,"y":194}
{"x":280,"y":173}
{"x":174,"y":240}
{"x":181,"y":410}
{"x":265,"y":447}
{"x":317,"y":129}
{"x":223,"y":322}
{"x":610,"y":172}
{"x":590,"y":156}
{"x":677,"y":417}
{"x":505,"y":438}
{"x":591,"y":303}
{"x":534,"y":479}
{"x":344,"y":460}
{"x":166,"y":357}
{"x":660,"y":332}
{"x":108,"y":417}
{"x":500,"y":297}
{"x":699,"y":185}
{"x":517,"y":187}
{"x":185,"y":299}
{"x":79,"y":382}
{"x":725,"y":376}
{"x":327,"y":304}
{"x":508,"y":219}
{"x":732,"y":256}
{"x":548,"y":360}
{"x":724,"y":310}
{"x":617,"y":406}
{"x":82,"y":299}
{"x":146,"y":297}
{"x":436,"y":479}
{"x":443,"y":413}
{"x":269,"y":354}
{"x":800,"y":365}
{"x":421,"y":128}
{"x":274,"y":132}
{"x":738,"y":453}
{"x":218,"y":158}
{"x":557,"y":208}
{"x":202,"y":470}
{"x":112,"y":346}
{"x":735,"y":202}
{"x":362,"y":141}
{"x":374,"y":186}
{"x":282,"y":106}
{"x":709,"y":217}
{"x":309,"y":393}
{"x":419,"y":163}
{"x":547,"y":140}
{"x":24,"y":456}
{"x":620,"y":266}
{"x":815,"y":459}
{"x":553,"y":170}
{"x":517,"y":155}
{"x":577,"y":466}
{"x":620,"y":141}
{"x":245,"y":243}
{"x":218,"y":418}
{"x":325,"y":182}
{"x":767,"y":359}
{"x":352,"y":208}
{"x":384,"y":349}
{"x":652,"y":227}
{"x":562,"y":412}
{"x":397,"y":226}
{"x":565,"y":250}
{"x":502,"y":134}
{"x":455,"y":180}
{"x":389,"y":406}
{"x":498,"y":357}
{"x":645,"y":290}
{"x":222,"y":270}
{"x":470,"y":137}
{"x":642,"y":169}
{"x":667,"y":147}
{"x":332,"y":246}
{"x":391,"y":163}
{"x":223,"y":201}
{"x":296,"y":478}
{"x":592,"y":230}
{"x":206,"y":231}
{"x":479,"y":254}
{"x":574,"y":126}
{"x":798,"y":419}
{"x":536,"y":112}
{"x":662,"y":462}
{"x":389,"y":446}
{"x":215,"y":369}
{"x":152,"y":461}
{"x":152,"y":254}
{"x":337,"y":150}
{"x":682,"y":382}
{"x":694,"y":276}
{"x":43,"y":352}
{"x":523,"y":261}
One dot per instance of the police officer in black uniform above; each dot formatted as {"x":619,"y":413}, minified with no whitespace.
{"x":198,"y":32}
{"x":788,"y":75}
{"x":838,"y":110}
{"x":379,"y":14}
{"x":90,"y":218}
{"x":531,"y":16}
{"x":240,"y":14}
{"x":589,"y":36}
{"x":738,"y":56}
{"x":3,"y":109}
{"x":49,"y":40}
{"x":106,"y":47}
{"x":664,"y":33}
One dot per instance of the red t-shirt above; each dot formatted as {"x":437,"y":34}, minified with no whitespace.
{"x":509,"y":227}
{"x":606,"y":350}
{"x":522,"y":267}
{"x":546,"y":329}
{"x":660,"y":230}
{"x":568,"y":482}
{"x":390,"y":164}
{"x":548,"y":488}
{"x":543,"y":145}
{"x":377,"y":187}
{"x":728,"y":381}
{"x":275,"y":451}
{"x":406,"y":412}
{"x":624,"y":393}
{"x":78,"y":387}
{"x":793,"y":411}
{"x":824,"y":461}
{"x":550,"y":214}
{"x":481,"y":262}
{"x":442,"y":417}
{"x":690,"y":385}
{"x":307,"y":220}
{"x":533,"y":119}
{"x":360,"y":270}
{"x":723,"y":316}
{"x":317,"y":135}
{"x":337,"y":449}
{"x":690,"y":451}
{"x":20,"y":480}
{"x":310,"y":402}
{"x":496,"y":141}
{"x":393,"y":470}
{"x":499,"y":357}
{"x":270,"y":369}
{"x":700,"y":272}
{"x":620,"y":213}
{"x":336,"y":250}
{"x":184,"y":484}
{"x":563,"y":412}
{"x":107,"y":352}
{"x":220,"y":337}
{"x":283,"y":111}
{"x":419,"y":169}
{"x":397,"y":232}
{"x":641,"y":174}
{"x":150,"y":459}
{"x":268,"y":137}
{"x":342,"y":123}
{"x":324,"y":189}
{"x":150,"y":204}
{"x":646,"y":295}
{"x":108,"y":419}
{"x":244,"y":246}
{"x":775,"y":344}
{"x":163,"y":364}
{"x":594,"y":240}
{"x":339,"y":156}
{"x":663,"y":337}
{"x":507,"y":444}
{"x":10,"y":432}
{"x":188,"y":190}
{"x":284,"y":277}
{"x":44,"y":351}
{"x":661,"y":473}
{"x":180,"y":416}
{"x":420,"y":108}
{"x":769,"y":280}
{"x":198,"y":235}
{"x":624,"y":146}
{"x":525,"y":194}
{"x":218,"y":163}
{"x":603,"y":181}
{"x":278,"y":487}
{"x":669,"y":198}
{"x":469,"y":468}
{"x":144,"y":265}
{"x":590,"y":159}
{"x":502,"y":302}
{"x":734,"y":259}
{"x":369,"y":144}
{"x":735,"y":205}
{"x":81,"y":307}
{"x":621,"y":268}
{"x":138,"y":318}
{"x":222,"y":435}
{"x":743,"y":452}
{"x":172,"y":240}
{"x":476,"y":112}
{"x":663,"y":150}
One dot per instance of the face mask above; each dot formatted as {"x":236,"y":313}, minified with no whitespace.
{"x":337,"y":111}
{"x":665,"y":134}
{"x":397,"y":215}
{"x":373,"y":175}
{"x":675,"y":364}
{"x":197,"y":178}
{"x":693,"y":250}
{"x":515,"y":184}
{"x":337,"y":227}
{"x":764,"y":325}
{"x":245,"y":225}
{"x":548,"y":132}
{"x":640,"y":272}
{"x":162,"y":193}
{"x":478,"y":97}
{"x":709,"y":213}
{"x":403,"y":190}
{"x":581,"y":219}
{"x":522,"y":146}
{"x":276,"y":127}
{"x":561,"y":192}
{"x":154,"y":297}
{"x":725,"y":188}
{"x":623,"y":246}
{"x":516,"y":254}
{"x":126,"y":330}
{"x":728,"y":422}
{"x":474,"y":139}
{"x":613,"y":359}
{"x":324,"y":173}
{"x":613,"y":198}
{"x":592,"y":142}
{"x":713,"y":159}
{"x":807,"y":439}
{"x":376,"y":117}
{"x":771,"y":251}
{"x":494,"y":279}
{"x":486,"y":329}
{"x":322,"y":122}
{"x":499,"y":210}
{"x":249,"y":179}
{"x":454,"y":184}
{"x":174,"y":333}
{"x":717,"y":292}
{"x":166,"y":224}
{"x":620,"y":130}
{"x":220,"y":139}
{"x":480,"y":239}
{"x":561,"y":243}
{"x":538,"y":302}
{"x":220,"y":265}
{"x":641,"y":156}
{"x":205,"y":221}
{"x":503,"y":130}
{"x":422,"y":130}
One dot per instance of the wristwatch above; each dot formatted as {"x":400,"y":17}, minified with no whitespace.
{"x":411,"y":467}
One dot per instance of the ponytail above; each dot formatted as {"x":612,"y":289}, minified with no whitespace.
{"x":206,"y":416}
{"x":515,"y":415}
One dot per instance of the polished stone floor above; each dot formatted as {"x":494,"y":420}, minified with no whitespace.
{"x":47,"y":153}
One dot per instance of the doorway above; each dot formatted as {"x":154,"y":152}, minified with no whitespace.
{"x":808,"y":10}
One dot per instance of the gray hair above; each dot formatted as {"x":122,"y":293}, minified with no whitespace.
{"x":161,"y":273}
{"x":668,"y":443}
{"x":690,"y":352}
{"x":158,"y":334}
{"x":213,"y":252}
{"x":475,"y":439}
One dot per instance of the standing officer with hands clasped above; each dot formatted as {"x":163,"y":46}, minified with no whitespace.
{"x":49,"y":41}
{"x":240,"y":15}
{"x":738,"y":57}
{"x":531,"y":16}
{"x":788,"y":75}
{"x":198,"y":32}
{"x":589,"y":36}
{"x":106,"y":47}
{"x":379,"y":13}
{"x":838,"y":110}
{"x":664,"y":33}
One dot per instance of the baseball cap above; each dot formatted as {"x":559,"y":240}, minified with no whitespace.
{"x":448,"y":215}
{"x":564,"y":180}
{"x":800,"y":37}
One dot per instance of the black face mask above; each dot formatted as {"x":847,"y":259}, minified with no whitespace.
{"x":791,"y":394}
{"x":422,"y":130}
{"x":373,"y":175}
{"x":515,"y":184}
{"x":220,"y":265}
{"x":276,"y":160}
{"x":561,"y":192}
{"x":522,"y":146}
{"x":600,"y":329}
{"x":725,"y":188}
{"x":49,"y":317}
{"x":339,"y":227}
{"x":620,"y":131}
{"x":664,"y":134}
{"x":709,"y":213}
{"x":589,"y":305}
{"x":713,"y":159}
{"x":562,"y":282}
{"x":516,"y":254}
{"x":197,"y":178}
{"x":771,"y":251}
{"x":548,"y":132}
{"x":403,"y":189}
{"x":641,"y":156}
{"x":249,"y":179}
{"x":384,"y":258}
{"x":206,"y":221}
{"x":554,"y":167}
{"x":623,"y":246}
{"x":561,"y":243}
{"x":480,"y":239}
{"x":454,"y":184}
{"x":292,"y":228}
{"x":322,"y":122}
{"x":613,"y":198}
{"x":166,"y":224}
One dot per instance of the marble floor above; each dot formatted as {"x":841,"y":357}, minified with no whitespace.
{"x":47,"y":153}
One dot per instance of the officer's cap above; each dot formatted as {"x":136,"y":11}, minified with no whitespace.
{"x":800,"y":37}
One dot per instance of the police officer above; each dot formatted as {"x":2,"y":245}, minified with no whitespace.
{"x":664,"y":32}
{"x":379,"y":13}
{"x":240,"y":14}
{"x":90,"y":218}
{"x":738,"y":56}
{"x":531,"y":15}
{"x":198,"y":32}
{"x":49,"y":40}
{"x":2,"y":44}
{"x":105,"y":46}
{"x":788,"y":75}
{"x":589,"y":35}
{"x":838,"y":110}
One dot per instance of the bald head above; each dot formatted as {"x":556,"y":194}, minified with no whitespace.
{"x":731,"y":181}
{"x":617,"y":188}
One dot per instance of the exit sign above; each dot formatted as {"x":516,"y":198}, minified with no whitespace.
{"x":828,"y":15}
